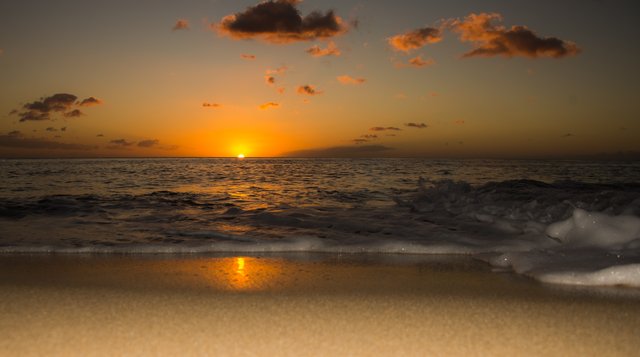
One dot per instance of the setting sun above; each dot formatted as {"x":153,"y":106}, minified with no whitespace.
{"x":240,"y":156}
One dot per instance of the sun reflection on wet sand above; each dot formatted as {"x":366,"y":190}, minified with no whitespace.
{"x":246,"y":273}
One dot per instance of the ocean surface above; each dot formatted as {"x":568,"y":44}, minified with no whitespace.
{"x":570,"y":222}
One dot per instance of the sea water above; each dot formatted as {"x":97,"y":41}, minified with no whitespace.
{"x":572,"y":222}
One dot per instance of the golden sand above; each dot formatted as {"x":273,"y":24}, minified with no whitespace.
{"x":300,"y":305}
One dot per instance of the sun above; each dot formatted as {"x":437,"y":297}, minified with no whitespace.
{"x":240,"y":156}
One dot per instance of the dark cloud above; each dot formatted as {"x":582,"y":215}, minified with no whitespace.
{"x":342,"y":151}
{"x":148,"y":143}
{"x":415,"y":39}
{"x":382,"y":128}
{"x":181,"y":25}
{"x":73,"y":114}
{"x":90,"y":102}
{"x":15,"y":134}
{"x":330,"y":50}
{"x":20,"y":142}
{"x":44,"y":108}
{"x":247,"y":57}
{"x":568,"y":135}
{"x":279,"y":21}
{"x":51,"y":129}
{"x":308,"y":90}
{"x":416,"y":125}
{"x":360,"y":141}
{"x":490,"y":39}
{"x":100,"y":135}
{"x":211,"y":105}
{"x":369,"y":136}
{"x":64,"y":128}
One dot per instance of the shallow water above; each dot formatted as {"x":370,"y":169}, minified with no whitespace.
{"x":572,"y":222}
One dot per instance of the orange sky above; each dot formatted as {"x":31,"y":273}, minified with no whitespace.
{"x":330,"y":78}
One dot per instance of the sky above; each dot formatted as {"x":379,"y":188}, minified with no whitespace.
{"x":216,"y":78}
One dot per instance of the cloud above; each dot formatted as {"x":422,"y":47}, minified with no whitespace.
{"x":43,"y":109}
{"x":415,"y":39}
{"x":16,"y":140}
{"x":568,"y":135}
{"x":99,"y":135}
{"x":248,"y":57}
{"x":342,"y":151}
{"x":181,"y":25}
{"x":308,"y":90}
{"x":73,"y":113}
{"x":269,"y":105}
{"x":419,"y":62}
{"x":279,"y":21}
{"x":382,"y":128}
{"x":211,"y":105}
{"x":369,"y":136}
{"x":270,"y":77}
{"x":360,"y":141}
{"x":490,"y":38}
{"x":120,"y":143}
{"x":91,"y":101}
{"x":416,"y":125}
{"x":459,"y":122}
{"x":148,"y":143}
{"x":331,"y":50}
{"x":15,"y":134}
{"x":51,"y":129}
{"x":345,"y":79}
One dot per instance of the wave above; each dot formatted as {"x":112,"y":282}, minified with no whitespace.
{"x":561,"y":232}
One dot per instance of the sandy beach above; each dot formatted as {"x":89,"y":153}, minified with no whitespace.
{"x":301,"y":304}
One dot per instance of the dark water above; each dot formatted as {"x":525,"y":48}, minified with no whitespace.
{"x":501,"y":208}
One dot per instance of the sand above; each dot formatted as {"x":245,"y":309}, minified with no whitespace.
{"x":301,"y":304}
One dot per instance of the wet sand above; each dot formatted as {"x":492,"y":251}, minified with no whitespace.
{"x":301,"y":304}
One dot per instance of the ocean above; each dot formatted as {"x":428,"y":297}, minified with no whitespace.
{"x":568,"y":222}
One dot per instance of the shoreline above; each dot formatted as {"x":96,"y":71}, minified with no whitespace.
{"x":297,"y":303}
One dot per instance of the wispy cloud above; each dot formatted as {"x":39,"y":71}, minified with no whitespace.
{"x":248,"y":57}
{"x":330,"y":50}
{"x":383,"y":128}
{"x":416,"y":125}
{"x":16,"y":140}
{"x":346,"y":79}
{"x":148,"y":143}
{"x":308,"y":90}
{"x":415,"y":39}
{"x":342,"y":151}
{"x":279,"y":21}
{"x":211,"y":105}
{"x":121,"y":143}
{"x":490,"y":38}
{"x":181,"y":25}
{"x":419,"y":62}
{"x":269,"y":105}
